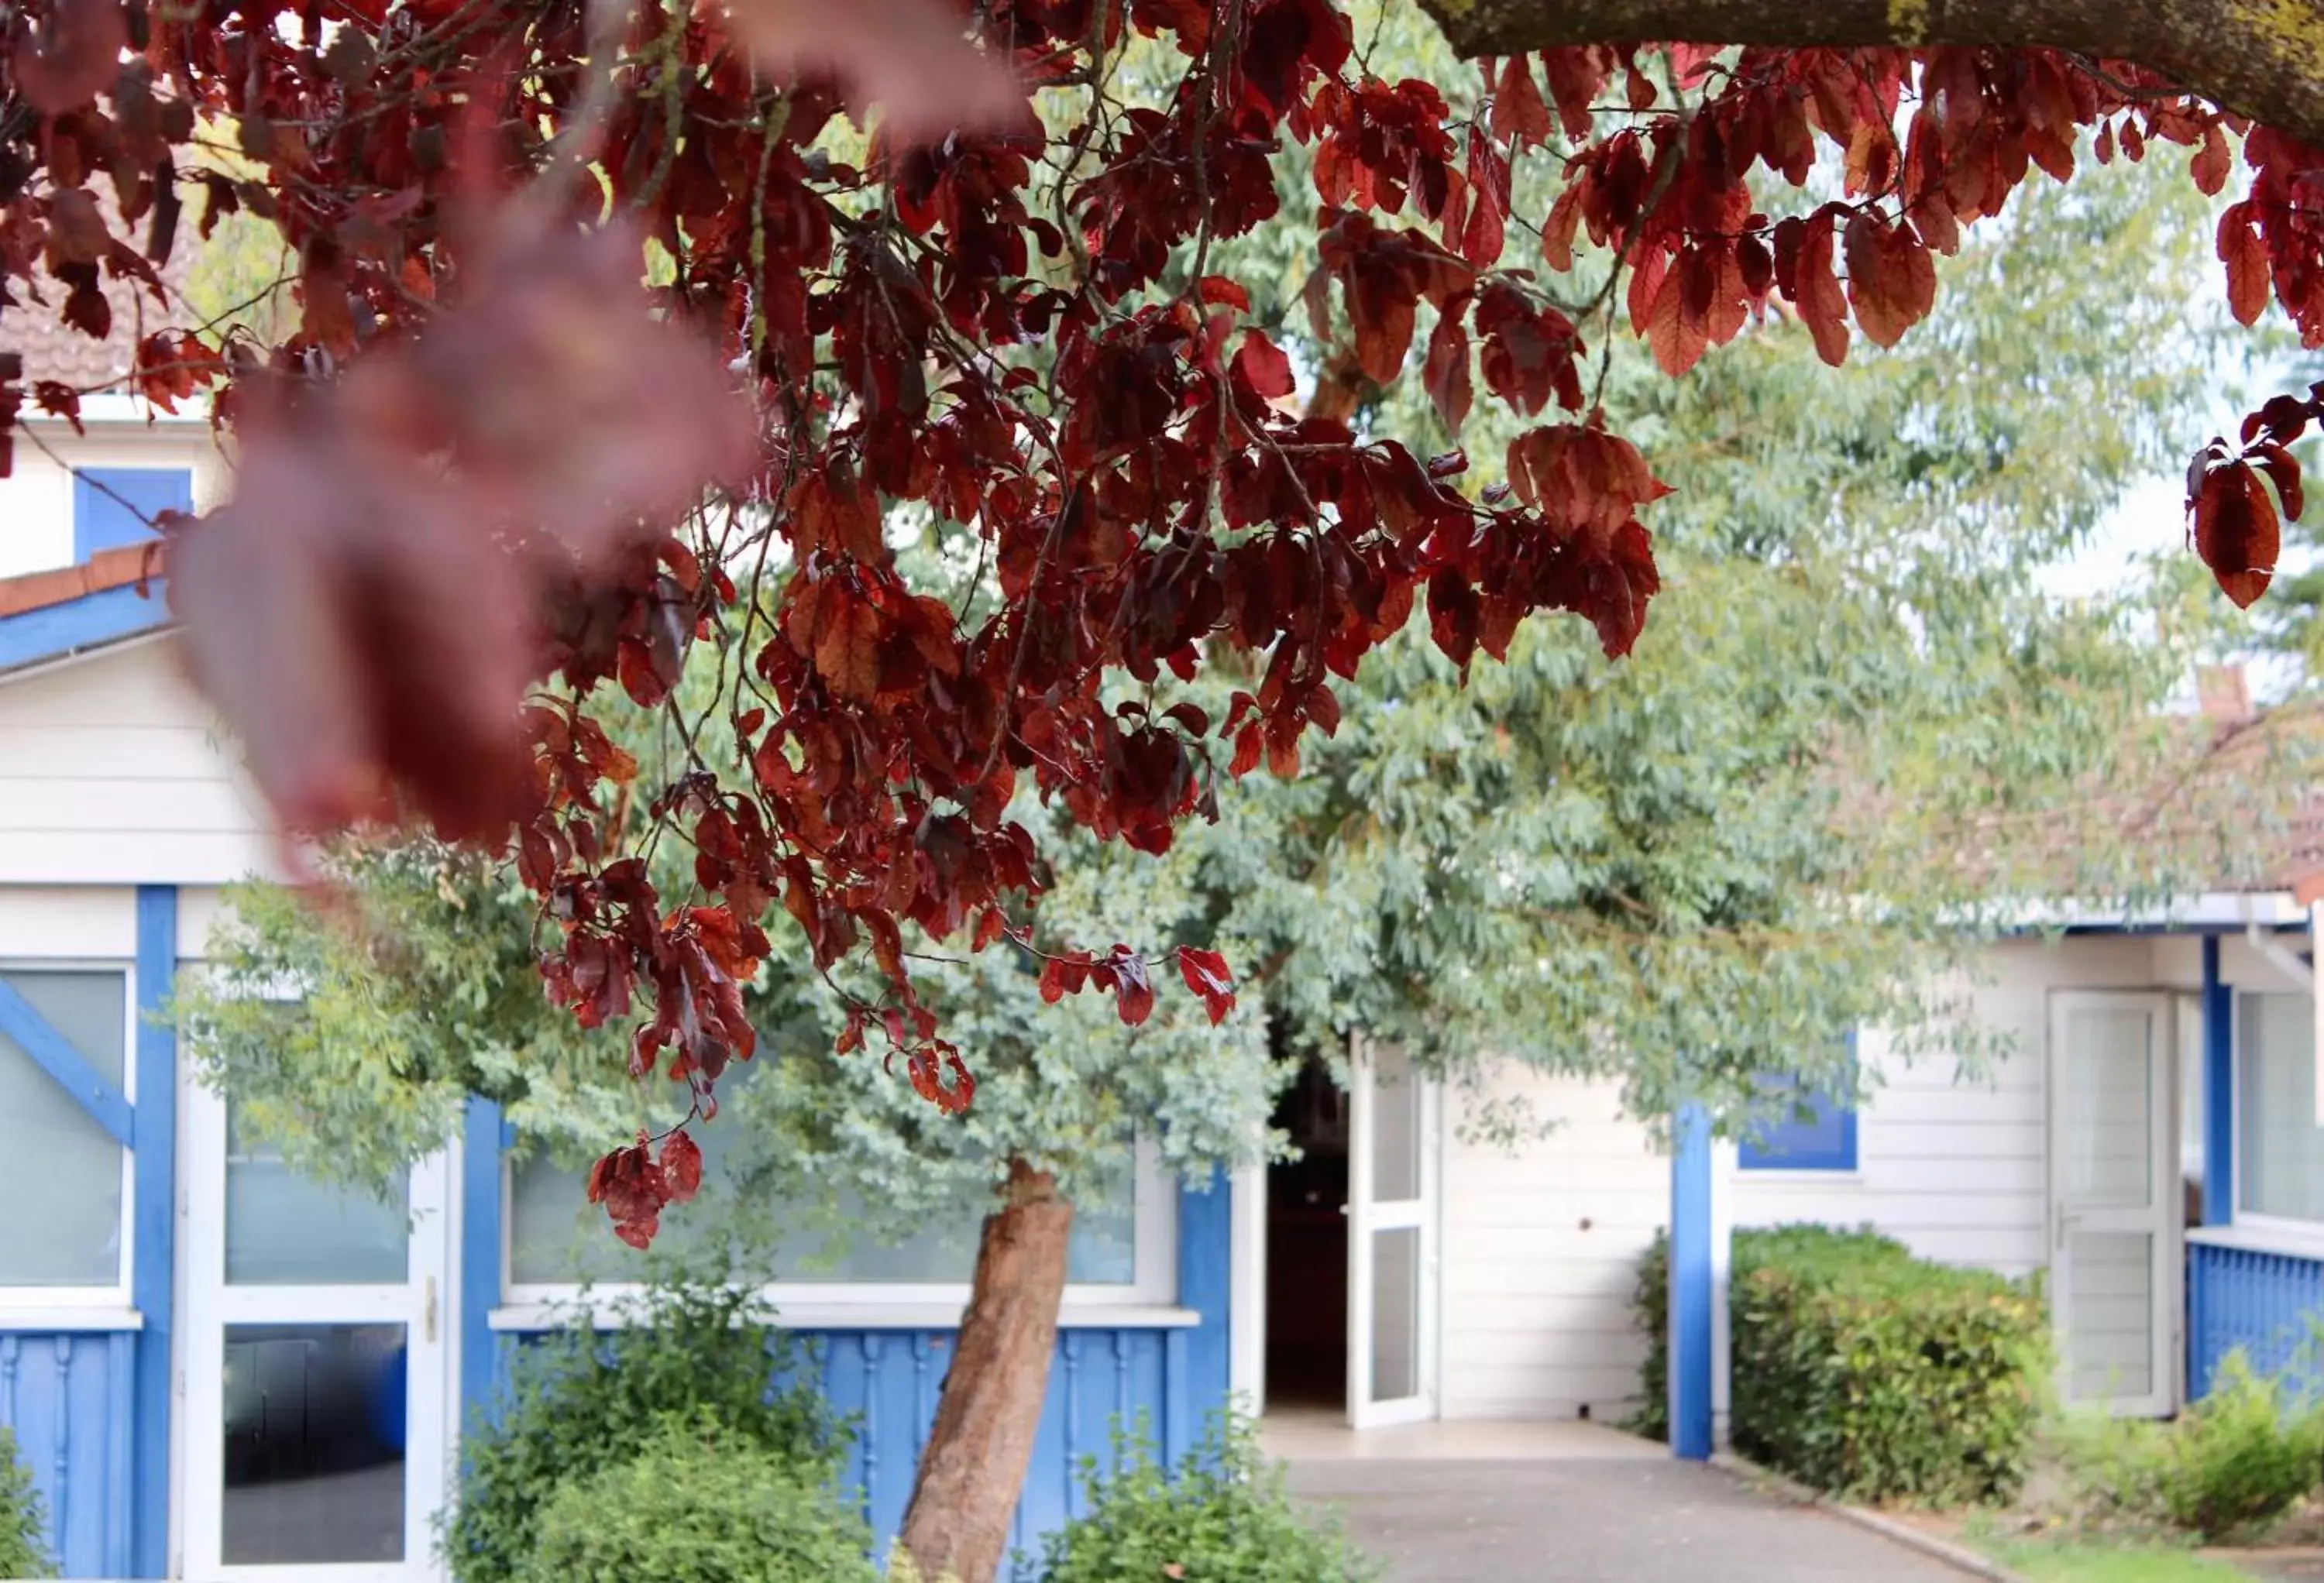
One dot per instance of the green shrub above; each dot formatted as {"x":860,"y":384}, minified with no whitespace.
{"x":1221,"y":1516}
{"x":1869,"y":1374}
{"x":699,"y":1503}
{"x":23,"y":1518}
{"x":2241,"y":1455}
{"x":702,"y":1353}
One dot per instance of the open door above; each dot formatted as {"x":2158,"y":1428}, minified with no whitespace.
{"x":1391,"y":1239}
{"x":2115,"y":1200}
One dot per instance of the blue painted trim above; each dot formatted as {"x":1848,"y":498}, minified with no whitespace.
{"x":1691,"y":1286}
{"x":54,"y":630}
{"x":481,"y":1210}
{"x":2219,"y":1091}
{"x":54,"y":1055}
{"x":1206,"y":1284}
{"x":153,"y":1273}
{"x":120,"y":1451}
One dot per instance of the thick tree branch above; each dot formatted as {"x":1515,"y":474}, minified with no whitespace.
{"x":2264,"y":58}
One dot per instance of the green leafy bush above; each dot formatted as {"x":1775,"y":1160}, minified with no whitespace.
{"x":703,"y":1353}
{"x":698,"y":1503}
{"x":1222,"y":1515}
{"x":23,"y":1518}
{"x":2241,"y":1455}
{"x":1869,"y":1374}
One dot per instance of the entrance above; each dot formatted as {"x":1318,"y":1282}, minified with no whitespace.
{"x":1392,"y":1171}
{"x":1307,"y":1248}
{"x":2115,"y":1200}
{"x":316,"y":1395}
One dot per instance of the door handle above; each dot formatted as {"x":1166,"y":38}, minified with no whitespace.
{"x":429,"y":1316}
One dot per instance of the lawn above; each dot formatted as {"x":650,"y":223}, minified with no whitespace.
{"x":2098,"y":1563}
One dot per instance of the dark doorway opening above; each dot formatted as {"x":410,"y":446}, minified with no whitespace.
{"x":1307,"y":1246}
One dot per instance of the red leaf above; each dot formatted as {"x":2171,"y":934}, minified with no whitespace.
{"x":1519,"y":115}
{"x":2236,"y":530}
{"x":1264,"y":367}
{"x":1133,"y":989}
{"x":1816,"y":289}
{"x":2212,"y":161}
{"x":1891,"y":281}
{"x":1207,"y":975}
{"x":681,"y":1166}
{"x":848,"y":647}
{"x":2241,"y":250}
{"x":1677,"y":337}
{"x":1445,"y":376}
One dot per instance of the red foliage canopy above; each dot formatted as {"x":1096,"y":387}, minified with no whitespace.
{"x":482,"y":460}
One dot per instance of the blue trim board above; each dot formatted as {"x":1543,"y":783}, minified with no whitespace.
{"x":1199,"y":1357}
{"x":2218,"y":1090}
{"x":106,"y":616}
{"x":1691,"y":1286}
{"x":481,"y":1210}
{"x":54,"y":1055}
{"x":155,"y":1144}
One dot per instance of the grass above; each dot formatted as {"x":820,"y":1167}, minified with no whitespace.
{"x":2103,"y":1563}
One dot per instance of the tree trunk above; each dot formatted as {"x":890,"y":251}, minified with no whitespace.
{"x":957,"y":1525}
{"x":2262,"y":57}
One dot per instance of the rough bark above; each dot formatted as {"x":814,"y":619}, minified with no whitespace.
{"x":2264,"y":58}
{"x":969,"y":1475}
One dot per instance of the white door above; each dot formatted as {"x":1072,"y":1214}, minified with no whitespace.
{"x":1391,"y":1239}
{"x":2114,"y":1199}
{"x":316,"y":1395}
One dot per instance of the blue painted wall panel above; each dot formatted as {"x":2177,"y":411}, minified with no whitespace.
{"x":1099,"y":1377}
{"x":67,"y":1400}
{"x":2267,"y":1303}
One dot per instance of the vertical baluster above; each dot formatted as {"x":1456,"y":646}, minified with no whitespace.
{"x":869,"y":1344}
{"x":1071,"y":1342}
{"x":59,"y":1504}
{"x":1121,"y":1348}
{"x":923,"y":1344}
{"x":8,"y":1347}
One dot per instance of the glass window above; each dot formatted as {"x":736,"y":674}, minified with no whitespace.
{"x":2191,"y":1114}
{"x":285,"y":1229}
{"x":113,"y":506}
{"x":1812,"y":1132}
{"x":315,"y":1432}
{"x":75,"y":1238}
{"x":555,"y":1237}
{"x":2283,"y":1147}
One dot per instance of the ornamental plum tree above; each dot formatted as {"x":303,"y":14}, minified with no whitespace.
{"x":624,"y":327}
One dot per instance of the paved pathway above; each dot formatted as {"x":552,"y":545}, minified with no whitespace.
{"x":1572,"y":1504}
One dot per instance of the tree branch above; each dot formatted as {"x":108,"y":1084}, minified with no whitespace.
{"x":2264,"y":58}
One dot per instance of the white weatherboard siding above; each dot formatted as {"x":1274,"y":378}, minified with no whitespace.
{"x":1541,"y":1250}
{"x":112,"y":772}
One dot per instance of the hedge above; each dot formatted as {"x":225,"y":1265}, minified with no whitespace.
{"x":1865,"y":1372}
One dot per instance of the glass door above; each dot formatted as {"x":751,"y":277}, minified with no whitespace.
{"x":1391,"y":1239}
{"x":2114,"y":1199}
{"x":316,"y":1389}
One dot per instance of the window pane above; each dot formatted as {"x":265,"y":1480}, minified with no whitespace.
{"x":556,"y":1236}
{"x":2104,"y":1081}
{"x":2109,"y":1315}
{"x":285,"y":1229}
{"x":1396,"y":1127}
{"x":113,"y":506}
{"x":75,"y":1238}
{"x":2191,"y":1114}
{"x":2283,"y":1149}
{"x":1396,"y":1314}
{"x":314,"y":1422}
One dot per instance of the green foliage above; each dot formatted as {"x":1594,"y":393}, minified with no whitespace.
{"x":698,"y":1502}
{"x":1221,"y":1515}
{"x":2224,"y":1468}
{"x":1869,"y":1374}
{"x":23,"y":1518}
{"x":703,"y":1353}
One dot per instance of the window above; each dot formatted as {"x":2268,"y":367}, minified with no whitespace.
{"x":2187,"y":1021}
{"x":1122,"y":1245}
{"x":2283,"y":1148}
{"x":113,"y":506}
{"x":74,"y":1239}
{"x":1816,"y":1131}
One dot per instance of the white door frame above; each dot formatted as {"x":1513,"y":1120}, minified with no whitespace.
{"x":1365,"y":1219}
{"x":421,"y":1306}
{"x":2160,"y":1218}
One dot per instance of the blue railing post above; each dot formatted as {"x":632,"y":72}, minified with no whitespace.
{"x":1691,"y":1285}
{"x":2218,"y":1090}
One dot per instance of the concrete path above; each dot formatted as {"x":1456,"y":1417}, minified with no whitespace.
{"x":1572,"y":1504}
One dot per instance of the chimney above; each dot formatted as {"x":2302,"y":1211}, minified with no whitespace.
{"x":2224,"y":694}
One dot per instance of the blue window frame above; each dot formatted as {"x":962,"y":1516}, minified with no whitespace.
{"x":113,"y":506}
{"x":1818,"y":1134}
